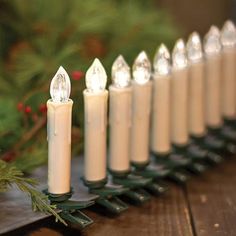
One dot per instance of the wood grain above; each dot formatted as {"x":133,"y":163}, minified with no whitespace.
{"x":212,"y":199}
{"x":164,"y":216}
{"x":206,"y":206}
{"x":167,"y":216}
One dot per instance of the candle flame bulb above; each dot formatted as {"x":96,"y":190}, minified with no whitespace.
{"x":120,"y":73}
{"x":194,"y":47}
{"x":228,"y":34}
{"x":142,"y":68}
{"x":179,"y":56}
{"x":60,"y":86}
{"x":96,"y":77}
{"x":212,"y":44}
{"x":161,"y":61}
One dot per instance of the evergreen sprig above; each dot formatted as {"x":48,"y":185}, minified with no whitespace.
{"x":10,"y":175}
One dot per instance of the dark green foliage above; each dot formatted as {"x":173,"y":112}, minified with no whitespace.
{"x":37,"y":36}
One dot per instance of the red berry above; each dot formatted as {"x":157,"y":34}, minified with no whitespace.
{"x":77,"y":75}
{"x":43,"y":108}
{"x":28,"y":109}
{"x":8,"y":156}
{"x":20,"y":106}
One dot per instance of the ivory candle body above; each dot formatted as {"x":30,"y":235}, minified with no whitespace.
{"x":95,"y":135}
{"x":141,"y":105}
{"x":179,"y":106}
{"x":59,"y":146}
{"x":196,"y":100}
{"x":213,"y":91}
{"x":229,"y":83}
{"x":120,"y":127}
{"x":160,"y":121}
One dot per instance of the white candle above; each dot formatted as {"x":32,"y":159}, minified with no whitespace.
{"x":196,"y":116}
{"x":160,"y":120}
{"x":179,"y":95}
{"x":212,"y":48}
{"x":59,"y":134}
{"x":95,"y":105}
{"x":120,"y":95}
{"x":141,"y":106}
{"x":228,"y":40}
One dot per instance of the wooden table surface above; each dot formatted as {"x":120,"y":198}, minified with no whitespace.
{"x":206,"y":206}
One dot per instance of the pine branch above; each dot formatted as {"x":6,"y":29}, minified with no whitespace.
{"x":28,"y":135}
{"x":10,"y":175}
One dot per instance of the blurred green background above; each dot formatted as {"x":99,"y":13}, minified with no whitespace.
{"x":37,"y":36}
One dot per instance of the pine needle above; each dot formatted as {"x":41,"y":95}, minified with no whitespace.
{"x":10,"y":175}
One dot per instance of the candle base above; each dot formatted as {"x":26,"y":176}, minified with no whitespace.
{"x":218,"y":143}
{"x":176,"y":172}
{"x":195,"y":155}
{"x":94,"y":184}
{"x":119,"y":174}
{"x":178,"y":159}
{"x":155,"y":172}
{"x":228,"y":130}
{"x":212,"y":157}
{"x":151,"y":171}
{"x":107,"y":195}
{"x":135,"y":184}
{"x":70,"y":210}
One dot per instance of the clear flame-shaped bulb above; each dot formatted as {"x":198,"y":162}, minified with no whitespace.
{"x":142,"y":68}
{"x":96,"y":77}
{"x":60,"y":86}
{"x":120,"y":73}
{"x":161,"y":62}
{"x":194,"y":47}
{"x":228,"y":34}
{"x":179,"y":56}
{"x":212,"y":44}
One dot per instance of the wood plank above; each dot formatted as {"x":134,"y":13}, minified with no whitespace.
{"x":167,"y":215}
{"x":212,"y":200}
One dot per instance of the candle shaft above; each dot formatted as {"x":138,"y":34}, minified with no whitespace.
{"x":59,"y":146}
{"x":95,"y":135}
{"x":229,"y":83}
{"x":179,"y":107}
{"x":141,"y":105}
{"x":213,"y":91}
{"x":160,"y":121}
{"x":196,"y":100}
{"x":120,"y":125}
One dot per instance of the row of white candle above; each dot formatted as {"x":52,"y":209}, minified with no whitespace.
{"x":186,"y":98}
